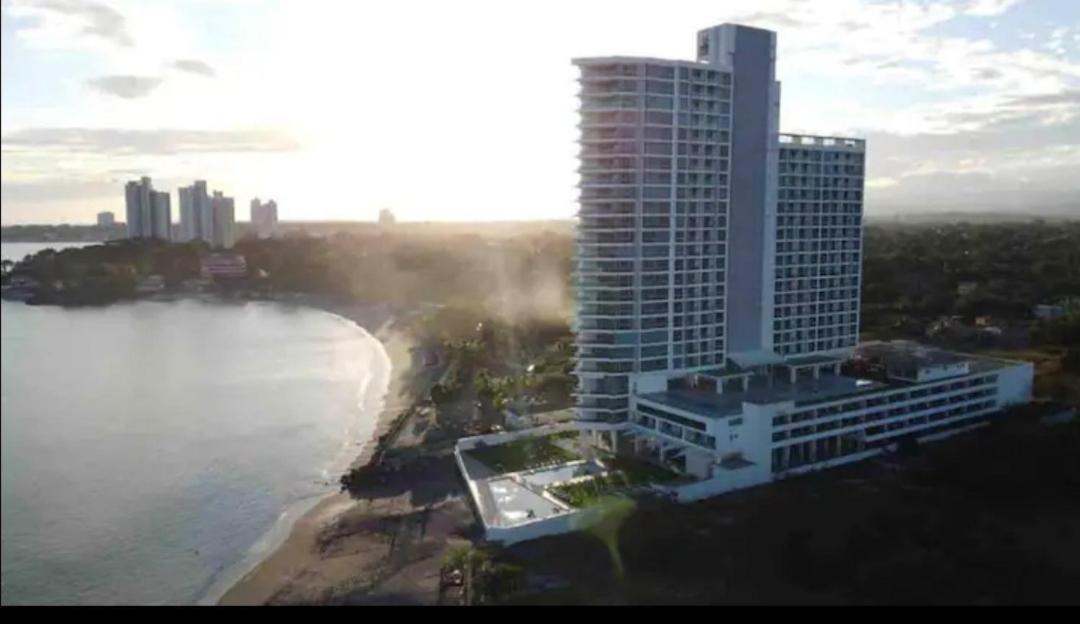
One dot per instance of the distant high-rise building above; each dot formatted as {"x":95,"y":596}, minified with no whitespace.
{"x":196,"y":222}
{"x":386,"y":217}
{"x":132,"y":214}
{"x":264,"y":218}
{"x":223,"y":221}
{"x":143,"y":219}
{"x":161,"y":215}
{"x":106,"y":219}
{"x":187,"y":210}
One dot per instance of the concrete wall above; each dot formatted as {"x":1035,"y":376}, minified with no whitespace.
{"x":724,"y":481}
{"x":752,"y":111}
{"x":526,"y":531}
{"x":1015,"y":384}
{"x":555,"y":525}
{"x":492,"y":439}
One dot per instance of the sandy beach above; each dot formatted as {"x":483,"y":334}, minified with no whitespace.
{"x":342,"y":543}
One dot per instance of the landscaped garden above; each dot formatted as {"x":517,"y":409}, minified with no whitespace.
{"x":523,"y":454}
{"x":625,"y":474}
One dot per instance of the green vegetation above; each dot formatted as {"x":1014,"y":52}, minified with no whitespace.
{"x":911,"y":273}
{"x":522,"y":454}
{"x":483,"y":580}
{"x":625,"y":474}
{"x":102,"y":274}
{"x":587,"y":491}
{"x":63,"y":233}
{"x":990,"y":517}
{"x":572,"y":434}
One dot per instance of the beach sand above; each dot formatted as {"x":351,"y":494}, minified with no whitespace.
{"x":343,"y":545}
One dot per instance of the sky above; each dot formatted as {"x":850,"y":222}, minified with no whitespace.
{"x":466,"y":110}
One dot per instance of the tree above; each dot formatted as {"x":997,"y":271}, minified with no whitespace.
{"x":1071,"y":361}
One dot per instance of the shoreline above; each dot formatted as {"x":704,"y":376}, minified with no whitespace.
{"x":291,"y":549}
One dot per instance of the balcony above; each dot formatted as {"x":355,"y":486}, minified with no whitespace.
{"x":605,"y":251}
{"x":605,"y":311}
{"x":604,"y":366}
{"x":604,"y":281}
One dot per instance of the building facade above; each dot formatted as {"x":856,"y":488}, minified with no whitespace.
{"x":106,"y":219}
{"x":160,"y":215}
{"x":147,"y":211}
{"x":223,"y":221}
{"x":196,"y":222}
{"x":264,"y":218}
{"x":718,"y":271}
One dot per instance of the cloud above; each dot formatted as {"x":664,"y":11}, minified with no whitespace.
{"x":55,"y":189}
{"x":194,"y":67}
{"x":89,"y":18}
{"x":1069,"y":96}
{"x":987,"y":73}
{"x":881,"y":182}
{"x":981,"y":168}
{"x":127,"y":87}
{"x":990,"y":8}
{"x":163,"y":141}
{"x":769,"y":18}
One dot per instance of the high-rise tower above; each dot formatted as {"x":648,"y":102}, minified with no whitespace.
{"x":707,"y":240}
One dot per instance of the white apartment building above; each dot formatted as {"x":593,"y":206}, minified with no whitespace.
{"x":718,"y":272}
{"x":264,"y":218}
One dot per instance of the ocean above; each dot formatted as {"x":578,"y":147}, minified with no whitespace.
{"x":154,"y":451}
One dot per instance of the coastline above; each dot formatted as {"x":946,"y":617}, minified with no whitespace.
{"x":292,"y":550}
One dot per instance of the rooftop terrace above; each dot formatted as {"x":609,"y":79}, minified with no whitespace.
{"x":807,"y":140}
{"x":827,"y":387}
{"x":711,"y":405}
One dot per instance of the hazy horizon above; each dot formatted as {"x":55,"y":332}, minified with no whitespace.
{"x":466,"y":111}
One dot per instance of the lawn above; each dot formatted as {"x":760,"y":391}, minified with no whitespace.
{"x":523,"y":454}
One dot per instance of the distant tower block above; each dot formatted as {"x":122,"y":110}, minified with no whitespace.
{"x":264,"y":218}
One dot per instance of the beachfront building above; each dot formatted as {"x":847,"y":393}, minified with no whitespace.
{"x":147,"y":211}
{"x":106,"y":219}
{"x":718,"y":274}
{"x":718,"y":271}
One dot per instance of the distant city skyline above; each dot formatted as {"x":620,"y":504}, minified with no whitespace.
{"x":463,"y":111}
